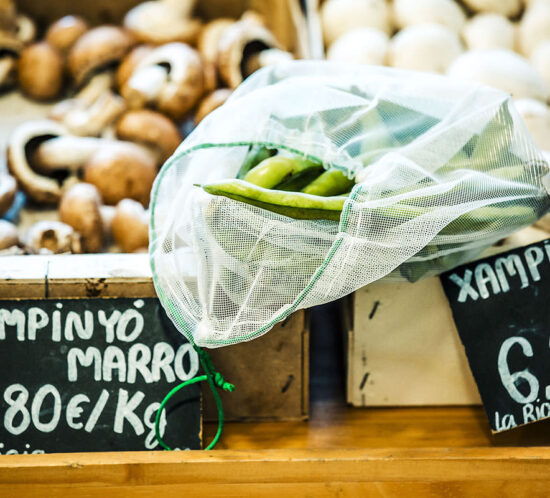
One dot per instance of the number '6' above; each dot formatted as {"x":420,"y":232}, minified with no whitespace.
{"x":509,"y":380}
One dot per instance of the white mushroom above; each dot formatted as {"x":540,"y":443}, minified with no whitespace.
{"x":445,"y":12}
{"x":508,"y":8}
{"x":534,"y":27}
{"x":425,"y":47}
{"x":488,"y":31}
{"x":361,"y":46}
{"x":501,"y":69}
{"x":9,"y":236}
{"x":340,"y":16}
{"x":536,"y":116}
{"x":540,"y":58}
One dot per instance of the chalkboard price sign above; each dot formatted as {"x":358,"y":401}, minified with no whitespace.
{"x":89,"y":375}
{"x":501,"y":309}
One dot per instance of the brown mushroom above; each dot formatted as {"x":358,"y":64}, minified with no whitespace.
{"x":93,"y":109}
{"x":121,"y":170}
{"x":10,"y":47}
{"x":64,"y":32}
{"x":80,"y":208}
{"x":150,"y":128}
{"x":40,"y":71}
{"x":40,"y":186}
{"x":8,"y":188}
{"x":163,"y":21}
{"x":96,"y":49}
{"x":209,"y":38}
{"x":170,"y":78}
{"x":9,"y":236}
{"x":210,"y":102}
{"x":238,"y":43}
{"x":129,"y":63}
{"x":131,"y":226}
{"x":52,"y":237}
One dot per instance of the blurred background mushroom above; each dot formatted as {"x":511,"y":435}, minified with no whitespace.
{"x":163,"y":21}
{"x":8,"y":187}
{"x":130,"y":226}
{"x":51,"y":237}
{"x":168,"y":78}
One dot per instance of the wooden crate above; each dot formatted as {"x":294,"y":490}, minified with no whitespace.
{"x":399,"y":331}
{"x":271,"y":373}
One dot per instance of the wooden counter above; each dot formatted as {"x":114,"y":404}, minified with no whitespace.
{"x":341,"y":452}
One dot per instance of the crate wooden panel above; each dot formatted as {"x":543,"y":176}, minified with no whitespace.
{"x":271,"y":373}
{"x":391,"y":452}
{"x":400,"y":331}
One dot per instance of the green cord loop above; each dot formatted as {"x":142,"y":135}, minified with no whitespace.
{"x":215,"y":380}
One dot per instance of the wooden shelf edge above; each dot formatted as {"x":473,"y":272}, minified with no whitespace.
{"x":275,"y":466}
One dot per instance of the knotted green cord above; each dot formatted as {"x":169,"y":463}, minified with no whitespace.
{"x":215,"y":380}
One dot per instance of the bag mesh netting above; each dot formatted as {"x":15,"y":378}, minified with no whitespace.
{"x":443,"y":169}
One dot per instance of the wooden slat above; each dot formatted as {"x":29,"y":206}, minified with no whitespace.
{"x":263,"y":473}
{"x":76,"y":276}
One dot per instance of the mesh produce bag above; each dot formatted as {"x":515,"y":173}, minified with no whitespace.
{"x":443,"y":169}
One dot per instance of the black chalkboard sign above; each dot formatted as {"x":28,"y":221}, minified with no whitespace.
{"x":501,"y":309}
{"x":89,"y":375}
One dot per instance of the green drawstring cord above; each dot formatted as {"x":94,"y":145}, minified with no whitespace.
{"x":215,"y":380}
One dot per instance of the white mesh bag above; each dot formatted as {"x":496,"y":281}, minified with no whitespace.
{"x":443,"y":169}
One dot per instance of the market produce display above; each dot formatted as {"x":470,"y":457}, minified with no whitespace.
{"x":318,"y":178}
{"x":504,"y":44}
{"x":125,"y":96}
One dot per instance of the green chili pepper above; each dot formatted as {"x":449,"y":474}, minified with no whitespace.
{"x":292,"y":204}
{"x":332,"y":182}
{"x":274,"y":170}
{"x":255,"y":156}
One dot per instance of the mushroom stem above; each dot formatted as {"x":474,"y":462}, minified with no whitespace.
{"x":97,"y":85}
{"x":7,"y":69}
{"x":148,"y":81}
{"x":67,"y":152}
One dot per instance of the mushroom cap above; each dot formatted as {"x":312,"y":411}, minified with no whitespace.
{"x":540,"y":58}
{"x":210,"y":36}
{"x":8,"y":14}
{"x":425,"y":47}
{"x":445,"y":12}
{"x":361,"y":46}
{"x":64,"y":32}
{"x":97,"y":48}
{"x":534,"y":26}
{"x":9,"y":236}
{"x":130,"y":226}
{"x":121,"y":170}
{"x":488,"y":31}
{"x":239,"y":41}
{"x":501,"y":69}
{"x":341,"y":16}
{"x":210,"y":102}
{"x":52,"y":237}
{"x":80,"y":208}
{"x":508,"y":8}
{"x":130,"y":62}
{"x":179,"y":80}
{"x":40,"y":188}
{"x":8,"y":188}
{"x":151,"y":129}
{"x":40,"y":71}
{"x":159,"y":22}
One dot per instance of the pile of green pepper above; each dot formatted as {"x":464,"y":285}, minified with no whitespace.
{"x":292,"y":186}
